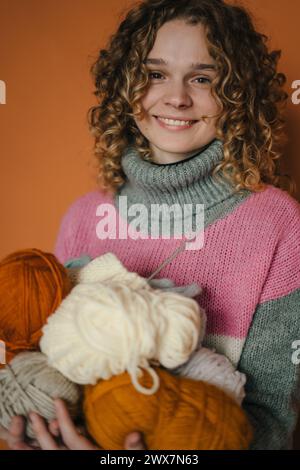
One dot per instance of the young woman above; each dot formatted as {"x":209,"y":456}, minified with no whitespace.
{"x":190,"y":113}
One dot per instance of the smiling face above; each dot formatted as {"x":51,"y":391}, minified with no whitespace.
{"x":180,"y":91}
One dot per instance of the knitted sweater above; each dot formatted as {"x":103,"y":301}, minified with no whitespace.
{"x":248,"y":268}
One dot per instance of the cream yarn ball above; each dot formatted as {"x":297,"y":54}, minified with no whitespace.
{"x":107,"y":269}
{"x":104,"y":329}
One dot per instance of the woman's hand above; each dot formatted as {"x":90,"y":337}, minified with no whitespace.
{"x":134,"y":441}
{"x":62,"y":427}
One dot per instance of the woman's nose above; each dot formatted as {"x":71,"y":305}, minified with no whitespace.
{"x":177,"y":95}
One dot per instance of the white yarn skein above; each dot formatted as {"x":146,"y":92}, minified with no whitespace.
{"x":108,"y":268}
{"x":102,"y":330}
{"x":208,"y":366}
{"x":177,"y":336}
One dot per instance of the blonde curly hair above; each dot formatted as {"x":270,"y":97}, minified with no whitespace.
{"x":247,"y":87}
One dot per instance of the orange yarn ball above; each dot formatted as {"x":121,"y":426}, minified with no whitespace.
{"x":32,"y":285}
{"x":183,"y":414}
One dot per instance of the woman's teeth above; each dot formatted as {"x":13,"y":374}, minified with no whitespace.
{"x":171,"y":122}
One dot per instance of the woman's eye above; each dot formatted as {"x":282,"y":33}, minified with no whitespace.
{"x":154,"y":73}
{"x":157,"y":76}
{"x":204,"y":80}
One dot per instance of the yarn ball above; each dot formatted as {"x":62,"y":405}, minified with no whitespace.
{"x":211,"y":367}
{"x":32,"y":285}
{"x":28,"y":384}
{"x":108,"y":269}
{"x":182,"y":414}
{"x":101,"y":330}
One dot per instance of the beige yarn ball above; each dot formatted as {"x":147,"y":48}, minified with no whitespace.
{"x":28,"y":384}
{"x":102,"y":330}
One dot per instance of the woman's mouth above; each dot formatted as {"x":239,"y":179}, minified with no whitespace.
{"x":174,"y":125}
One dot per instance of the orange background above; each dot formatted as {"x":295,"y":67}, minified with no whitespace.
{"x":46,"y":49}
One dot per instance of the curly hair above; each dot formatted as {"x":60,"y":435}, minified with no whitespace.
{"x":247,"y":87}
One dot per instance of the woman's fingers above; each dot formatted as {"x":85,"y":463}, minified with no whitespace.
{"x":16,"y":434}
{"x":68,"y":430}
{"x":66,"y":426}
{"x":23,"y":446}
{"x":3,"y":433}
{"x":54,"y":427}
{"x":134,"y":441}
{"x":45,"y":435}
{"x":42,"y":434}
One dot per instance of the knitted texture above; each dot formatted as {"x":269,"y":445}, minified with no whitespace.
{"x":182,"y":183}
{"x":248,"y":268}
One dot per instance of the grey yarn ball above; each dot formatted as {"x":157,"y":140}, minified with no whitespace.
{"x":28,"y":384}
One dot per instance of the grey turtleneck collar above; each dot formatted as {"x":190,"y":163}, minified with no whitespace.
{"x":185,"y":182}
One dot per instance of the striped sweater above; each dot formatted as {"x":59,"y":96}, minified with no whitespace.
{"x":248,"y":268}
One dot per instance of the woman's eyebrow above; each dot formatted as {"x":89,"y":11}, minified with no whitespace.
{"x":197,"y":66}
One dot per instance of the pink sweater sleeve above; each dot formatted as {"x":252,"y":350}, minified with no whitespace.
{"x":77,"y":231}
{"x":67,"y":234}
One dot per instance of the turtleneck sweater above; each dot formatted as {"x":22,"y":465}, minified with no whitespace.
{"x":187,"y":182}
{"x":248,"y":268}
